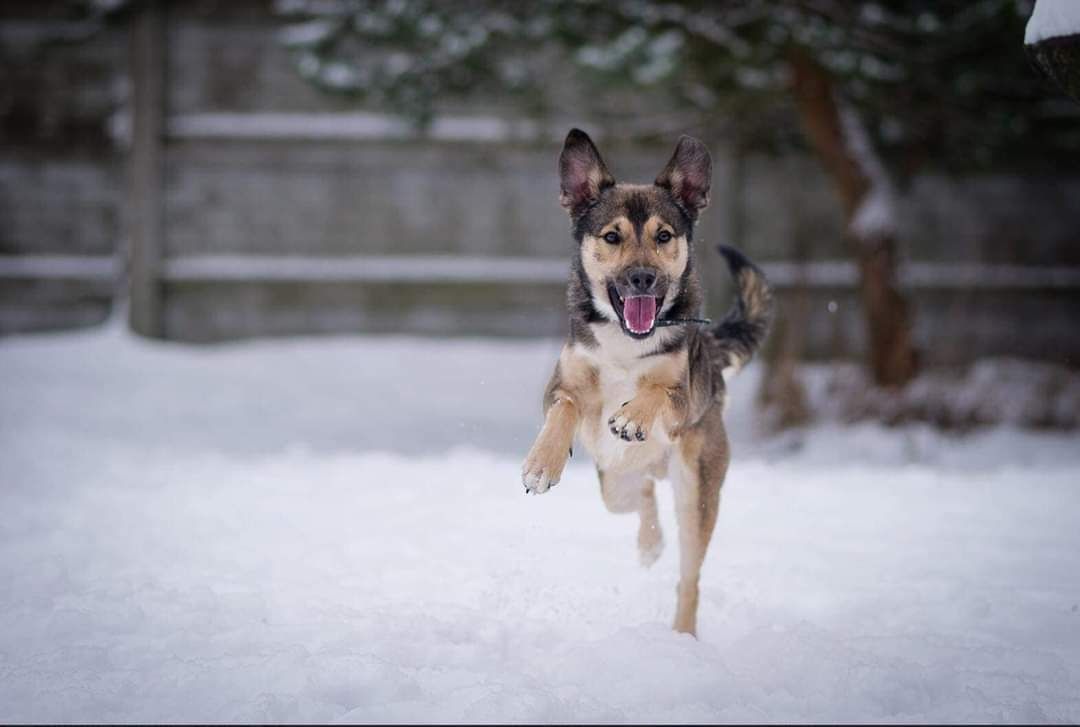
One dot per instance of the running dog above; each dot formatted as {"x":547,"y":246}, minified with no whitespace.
{"x":640,"y":380}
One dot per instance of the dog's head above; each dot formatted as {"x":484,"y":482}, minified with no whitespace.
{"x":634,"y":239}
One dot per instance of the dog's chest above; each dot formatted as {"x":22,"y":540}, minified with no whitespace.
{"x":619,"y":369}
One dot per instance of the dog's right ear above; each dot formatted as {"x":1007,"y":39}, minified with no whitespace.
{"x":582,"y":174}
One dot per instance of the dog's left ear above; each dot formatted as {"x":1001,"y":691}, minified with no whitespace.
{"x":688,"y":176}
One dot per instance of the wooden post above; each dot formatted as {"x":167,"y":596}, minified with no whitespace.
{"x":145,"y":218}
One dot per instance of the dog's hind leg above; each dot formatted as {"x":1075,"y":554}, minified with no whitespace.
{"x":697,"y":473}
{"x":650,"y":539}
{"x":636,"y":492}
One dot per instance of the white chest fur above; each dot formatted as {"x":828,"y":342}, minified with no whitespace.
{"x":619,"y":363}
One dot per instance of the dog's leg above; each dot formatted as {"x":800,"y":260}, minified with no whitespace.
{"x":636,"y":492}
{"x":698,"y":471}
{"x":650,"y":539}
{"x":544,"y":464}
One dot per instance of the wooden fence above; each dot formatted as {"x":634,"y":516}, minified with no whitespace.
{"x":266,"y":209}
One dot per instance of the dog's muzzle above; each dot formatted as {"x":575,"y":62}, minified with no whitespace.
{"x":636,"y":297}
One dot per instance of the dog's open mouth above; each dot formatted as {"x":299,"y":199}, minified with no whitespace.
{"x":637,"y":312}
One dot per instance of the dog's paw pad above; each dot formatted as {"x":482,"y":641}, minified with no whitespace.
{"x":623,"y":426}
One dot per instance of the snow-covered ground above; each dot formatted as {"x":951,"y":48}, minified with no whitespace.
{"x":335,"y":530}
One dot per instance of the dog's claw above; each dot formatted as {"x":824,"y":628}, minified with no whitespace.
{"x":628,"y":426}
{"x":537,"y":482}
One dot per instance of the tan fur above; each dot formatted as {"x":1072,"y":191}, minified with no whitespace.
{"x":544,"y":464}
{"x":646,"y":405}
{"x":602,"y":260}
{"x":698,"y":474}
{"x":691,"y":450}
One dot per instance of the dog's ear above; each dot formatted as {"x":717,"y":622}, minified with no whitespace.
{"x":688,"y":176}
{"x":582,"y":174}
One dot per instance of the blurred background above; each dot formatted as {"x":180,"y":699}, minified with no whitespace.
{"x":215,"y":170}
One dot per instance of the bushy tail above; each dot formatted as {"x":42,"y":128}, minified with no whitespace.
{"x":745,"y":326}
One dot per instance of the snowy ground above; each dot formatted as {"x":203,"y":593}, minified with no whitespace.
{"x":335,"y":530}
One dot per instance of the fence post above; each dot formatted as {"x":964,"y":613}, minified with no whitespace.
{"x":146,"y":59}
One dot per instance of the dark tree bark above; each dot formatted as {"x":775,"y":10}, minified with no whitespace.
{"x":1059,"y":60}
{"x":893,"y":360}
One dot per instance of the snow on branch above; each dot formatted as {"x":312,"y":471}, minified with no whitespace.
{"x":875,"y":216}
{"x":1053,"y":19}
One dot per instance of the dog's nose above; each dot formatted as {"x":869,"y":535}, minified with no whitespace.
{"x":641,"y":280}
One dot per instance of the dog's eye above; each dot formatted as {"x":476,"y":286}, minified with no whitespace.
{"x":664,"y":236}
{"x":611,"y":237}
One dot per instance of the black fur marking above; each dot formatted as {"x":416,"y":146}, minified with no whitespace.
{"x":638,"y":211}
{"x":743,"y":329}
{"x":735,"y":259}
{"x":683,"y":306}
{"x":673,"y":344}
{"x":580,"y":306}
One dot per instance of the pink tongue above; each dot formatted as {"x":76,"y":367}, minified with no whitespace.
{"x":639,"y":312}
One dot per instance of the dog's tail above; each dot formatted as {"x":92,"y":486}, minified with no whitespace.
{"x":743,"y":329}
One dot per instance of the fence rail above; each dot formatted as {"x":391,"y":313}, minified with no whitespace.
{"x":59,"y":267}
{"x":473,"y":269}
{"x":352,"y":126}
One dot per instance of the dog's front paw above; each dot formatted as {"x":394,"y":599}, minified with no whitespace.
{"x":542,"y":469}
{"x":632,"y":422}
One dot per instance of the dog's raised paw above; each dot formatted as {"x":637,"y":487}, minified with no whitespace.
{"x":628,"y":425}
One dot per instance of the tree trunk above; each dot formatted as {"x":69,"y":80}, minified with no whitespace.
{"x":846,"y":152}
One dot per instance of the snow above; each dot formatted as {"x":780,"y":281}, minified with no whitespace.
{"x":380,"y":268}
{"x":875,"y":216}
{"x":309,"y":33}
{"x":352,"y":126}
{"x":334,"y":530}
{"x":1052,"y":19}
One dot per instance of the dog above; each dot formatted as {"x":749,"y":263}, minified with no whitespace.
{"x":640,"y":380}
